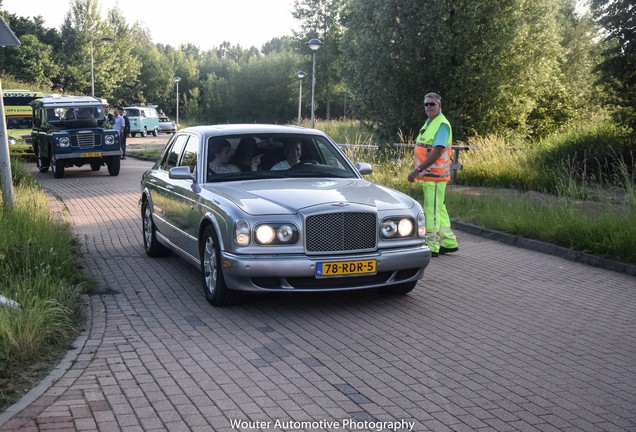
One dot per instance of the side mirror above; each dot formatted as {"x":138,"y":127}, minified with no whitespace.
{"x":364,"y":168}
{"x":181,"y":173}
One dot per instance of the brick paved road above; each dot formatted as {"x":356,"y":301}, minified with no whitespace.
{"x":516,"y":341}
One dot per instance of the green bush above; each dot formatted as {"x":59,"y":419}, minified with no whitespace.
{"x":595,"y":153}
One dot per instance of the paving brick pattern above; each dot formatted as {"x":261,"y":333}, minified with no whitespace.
{"x":495,"y":338}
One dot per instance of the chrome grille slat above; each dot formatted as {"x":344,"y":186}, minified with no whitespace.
{"x":341,"y":232}
{"x":86,"y":140}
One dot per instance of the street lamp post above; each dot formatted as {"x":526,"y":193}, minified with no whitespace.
{"x":314,"y":44}
{"x":176,"y":80}
{"x":105,"y":39}
{"x":300,"y":75}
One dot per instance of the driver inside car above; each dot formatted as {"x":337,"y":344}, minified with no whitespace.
{"x":292,"y":151}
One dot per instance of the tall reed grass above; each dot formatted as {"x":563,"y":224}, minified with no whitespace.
{"x":345,"y":131}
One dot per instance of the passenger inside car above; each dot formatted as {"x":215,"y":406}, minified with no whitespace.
{"x":69,"y":114}
{"x":219,"y":152}
{"x":245,"y":156}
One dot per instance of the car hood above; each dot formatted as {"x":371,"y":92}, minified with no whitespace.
{"x":286,"y":196}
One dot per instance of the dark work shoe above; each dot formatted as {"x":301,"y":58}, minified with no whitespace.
{"x":444,"y":250}
{"x":434,"y":254}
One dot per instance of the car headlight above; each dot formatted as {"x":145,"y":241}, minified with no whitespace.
{"x":12,"y":140}
{"x":109,"y":139}
{"x":276,"y":234}
{"x":64,"y":142}
{"x":241,"y":233}
{"x":396,"y":227}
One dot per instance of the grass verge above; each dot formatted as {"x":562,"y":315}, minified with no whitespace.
{"x":601,"y":229}
{"x":38,"y":270}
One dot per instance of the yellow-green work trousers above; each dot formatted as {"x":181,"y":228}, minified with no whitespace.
{"x":438,"y":225}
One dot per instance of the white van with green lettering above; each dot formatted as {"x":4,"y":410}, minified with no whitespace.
{"x":143,"y":120}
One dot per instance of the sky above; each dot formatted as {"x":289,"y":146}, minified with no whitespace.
{"x":205,"y":23}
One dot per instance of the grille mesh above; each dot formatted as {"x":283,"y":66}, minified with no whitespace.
{"x":339,"y":232}
{"x":86,"y":140}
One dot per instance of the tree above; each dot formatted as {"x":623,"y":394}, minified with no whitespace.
{"x":491,"y":61}
{"x":618,"y":68}
{"x":567,"y":98}
{"x":82,"y":25}
{"x":279,"y":45}
{"x":265,"y":89}
{"x":321,"y":19}
{"x":32,"y":62}
{"x":387,"y":70}
{"x":118,"y":63}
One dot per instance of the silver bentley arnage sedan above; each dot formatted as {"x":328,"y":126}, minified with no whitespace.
{"x":266,"y":208}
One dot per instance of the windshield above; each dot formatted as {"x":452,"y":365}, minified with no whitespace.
{"x":19,"y":122}
{"x":241,"y":157}
{"x":257,"y":156}
{"x":75,"y":113}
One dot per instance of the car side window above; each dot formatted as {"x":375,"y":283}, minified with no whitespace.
{"x":172,"y":157}
{"x":327,"y":155}
{"x":190,"y":154}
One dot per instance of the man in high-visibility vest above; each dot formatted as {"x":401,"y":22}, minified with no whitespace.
{"x":432,"y":168}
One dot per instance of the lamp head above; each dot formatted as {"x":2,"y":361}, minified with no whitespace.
{"x":314,"y":44}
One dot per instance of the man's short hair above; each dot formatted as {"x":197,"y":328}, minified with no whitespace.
{"x":435,"y":96}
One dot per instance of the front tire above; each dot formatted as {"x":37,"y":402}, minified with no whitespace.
{"x":58,"y":168}
{"x":114,"y":165}
{"x":155,"y":132}
{"x":216,"y":291}
{"x":151,"y":245}
{"x":41,"y":161}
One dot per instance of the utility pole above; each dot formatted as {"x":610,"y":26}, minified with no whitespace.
{"x":7,"y":38}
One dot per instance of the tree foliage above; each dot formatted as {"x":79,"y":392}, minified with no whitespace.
{"x":321,"y":19}
{"x":618,"y":67}
{"x":502,"y":66}
{"x":493,"y":62}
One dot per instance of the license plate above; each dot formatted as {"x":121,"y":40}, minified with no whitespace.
{"x":346,"y":268}
{"x":92,"y":154}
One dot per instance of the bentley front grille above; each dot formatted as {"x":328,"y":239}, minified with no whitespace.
{"x":341,"y":232}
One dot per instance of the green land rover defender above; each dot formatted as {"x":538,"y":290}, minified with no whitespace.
{"x":69,"y":131}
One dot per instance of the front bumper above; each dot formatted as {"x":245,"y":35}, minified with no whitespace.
{"x":80,"y":155}
{"x":296,"y":273}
